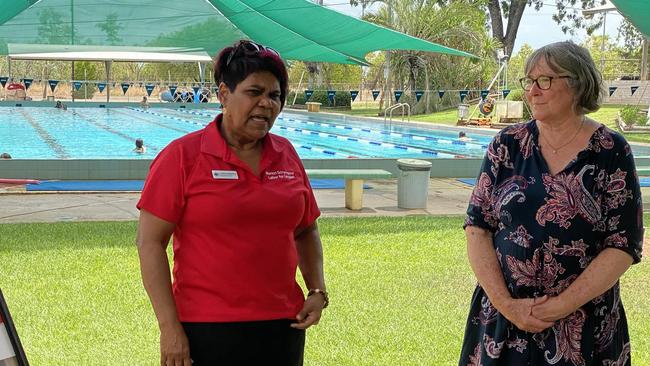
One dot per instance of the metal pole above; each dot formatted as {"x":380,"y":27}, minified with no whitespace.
{"x":644,"y":59}
{"x":387,"y":97}
{"x":85,"y":85}
{"x":108,"y":65}
{"x":72,"y":43}
{"x":602,"y":46}
{"x":295,"y":95}
{"x":202,"y":73}
{"x":72,"y":83}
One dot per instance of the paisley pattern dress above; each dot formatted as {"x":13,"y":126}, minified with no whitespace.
{"x":546,"y":230}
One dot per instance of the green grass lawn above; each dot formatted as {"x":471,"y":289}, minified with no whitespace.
{"x":400,"y":290}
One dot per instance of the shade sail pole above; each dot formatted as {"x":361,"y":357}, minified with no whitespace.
{"x":72,"y":43}
{"x":388,"y":100}
{"x":644,"y":59}
{"x":202,"y":72}
{"x":108,"y":65}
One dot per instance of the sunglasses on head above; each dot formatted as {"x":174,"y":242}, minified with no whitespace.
{"x":248,"y":48}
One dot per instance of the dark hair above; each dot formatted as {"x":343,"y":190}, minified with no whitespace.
{"x":575,"y":61}
{"x":461,"y":134}
{"x":243,"y":64}
{"x":5,"y":156}
{"x":139,"y":143}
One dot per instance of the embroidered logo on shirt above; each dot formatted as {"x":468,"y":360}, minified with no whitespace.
{"x":225,"y":174}
{"x":280,"y":174}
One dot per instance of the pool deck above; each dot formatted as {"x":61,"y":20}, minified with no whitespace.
{"x":446,"y":197}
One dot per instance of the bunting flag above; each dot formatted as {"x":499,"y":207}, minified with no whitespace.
{"x":418,"y":95}
{"x":196,"y":89}
{"x":172,"y":89}
{"x":3,"y":80}
{"x":149,"y":88}
{"x":308,"y":94}
{"x":398,"y":94}
{"x":633,"y":89}
{"x":505,"y":92}
{"x":101,"y":87}
{"x":484,"y":94}
{"x":6,"y":349}
{"x":375,"y":94}
{"x":125,"y":87}
{"x":77,"y":85}
{"x":441,"y":93}
{"x":53,"y":84}
{"x":353,"y":94}
{"x":330,"y":95}
{"x":463,"y":94}
{"x":28,"y":83}
{"x":612,"y":89}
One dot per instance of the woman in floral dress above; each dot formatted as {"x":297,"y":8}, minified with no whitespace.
{"x":554,"y":220}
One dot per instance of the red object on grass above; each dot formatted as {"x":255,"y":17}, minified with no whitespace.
{"x":19,"y":181}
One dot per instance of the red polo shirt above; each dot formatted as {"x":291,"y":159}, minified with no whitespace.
{"x":234,"y":253}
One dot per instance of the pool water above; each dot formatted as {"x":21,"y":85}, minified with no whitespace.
{"x":110,"y":133}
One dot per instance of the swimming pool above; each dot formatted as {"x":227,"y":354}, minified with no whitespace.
{"x":109,"y":133}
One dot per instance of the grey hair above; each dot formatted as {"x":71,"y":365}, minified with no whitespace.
{"x":567,"y":58}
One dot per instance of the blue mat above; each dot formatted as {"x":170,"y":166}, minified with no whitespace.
{"x":136,"y":185}
{"x":87,"y":185}
{"x":643,"y":181}
{"x":468,"y":181}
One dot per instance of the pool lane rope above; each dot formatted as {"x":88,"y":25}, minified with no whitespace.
{"x":384,"y":144}
{"x":306,"y":147}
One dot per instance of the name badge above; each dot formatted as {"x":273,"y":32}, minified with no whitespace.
{"x":225,"y":174}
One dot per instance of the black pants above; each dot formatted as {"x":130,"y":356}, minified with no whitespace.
{"x":271,"y":342}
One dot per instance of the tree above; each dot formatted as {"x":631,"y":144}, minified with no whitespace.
{"x":568,"y":14}
{"x":85,"y":70}
{"x":458,"y":25}
{"x":516,"y":65}
{"x":52,"y":29}
{"x":112,"y":28}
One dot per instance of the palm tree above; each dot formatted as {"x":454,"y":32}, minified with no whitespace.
{"x":459,"y":25}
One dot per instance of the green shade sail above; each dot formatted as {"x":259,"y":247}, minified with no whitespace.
{"x":298,"y":29}
{"x":636,"y":12}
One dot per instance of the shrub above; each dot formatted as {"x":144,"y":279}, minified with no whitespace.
{"x":341,"y":99}
{"x":85,"y":70}
{"x":631,"y":116}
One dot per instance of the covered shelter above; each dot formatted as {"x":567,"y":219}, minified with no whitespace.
{"x":298,"y":29}
{"x":107,"y":55}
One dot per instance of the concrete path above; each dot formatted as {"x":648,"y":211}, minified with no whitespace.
{"x":446,"y":197}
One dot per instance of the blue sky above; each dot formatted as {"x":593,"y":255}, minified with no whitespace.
{"x":537,"y":28}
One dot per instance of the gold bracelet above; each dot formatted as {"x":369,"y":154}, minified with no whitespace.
{"x":323,"y":293}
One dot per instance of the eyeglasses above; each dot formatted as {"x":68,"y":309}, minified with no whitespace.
{"x":543,"y":82}
{"x":248,"y":48}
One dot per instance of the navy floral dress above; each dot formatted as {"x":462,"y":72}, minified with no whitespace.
{"x":546,"y":230}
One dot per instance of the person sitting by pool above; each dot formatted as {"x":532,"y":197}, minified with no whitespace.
{"x":462,"y":136}
{"x":5,"y":156}
{"x":144,"y":104}
{"x":139,"y":146}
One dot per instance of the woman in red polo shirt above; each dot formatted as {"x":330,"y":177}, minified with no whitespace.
{"x":238,"y":203}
